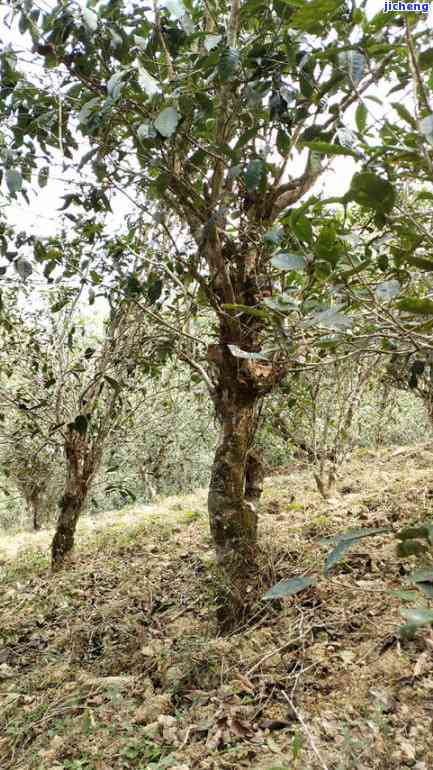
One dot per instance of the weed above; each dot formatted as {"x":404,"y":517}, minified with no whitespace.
{"x":190,"y":516}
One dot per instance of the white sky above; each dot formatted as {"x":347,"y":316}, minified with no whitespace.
{"x":43,"y":218}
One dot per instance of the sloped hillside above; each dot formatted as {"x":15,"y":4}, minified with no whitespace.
{"x":115,"y":663}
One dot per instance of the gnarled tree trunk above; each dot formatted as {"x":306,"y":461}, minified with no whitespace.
{"x":233,"y":520}
{"x":71,"y":505}
{"x":83,"y":461}
{"x":237,"y":478}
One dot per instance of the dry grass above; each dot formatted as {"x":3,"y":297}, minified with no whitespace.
{"x":115,"y":663}
{"x":15,"y":545}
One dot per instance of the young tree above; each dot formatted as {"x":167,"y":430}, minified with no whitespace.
{"x":414,"y":373}
{"x":32,"y":469}
{"x":68,"y":390}
{"x":321,"y":419}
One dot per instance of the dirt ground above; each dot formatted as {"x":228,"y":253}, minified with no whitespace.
{"x":116,"y":663}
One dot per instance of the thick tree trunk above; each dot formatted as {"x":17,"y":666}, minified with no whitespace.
{"x":233,"y":519}
{"x":82,"y":464}
{"x":237,"y":480}
{"x":62,"y":546}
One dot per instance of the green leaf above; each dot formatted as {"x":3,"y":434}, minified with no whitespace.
{"x":406,"y":596}
{"x":410,"y":548}
{"x":80,"y":424}
{"x":23,"y":268}
{"x":90,"y":19}
{"x":353,"y":63}
{"x":426,"y":126}
{"x":331,"y":149}
{"x":361,"y":117}
{"x":147,"y":83}
{"x":112,"y":383}
{"x":356,"y":534}
{"x":330,"y":318}
{"x":312,"y":17}
{"x":211,"y":41}
{"x":418,"y":616}
{"x":405,"y":115}
{"x":274,"y":235}
{"x":146,"y":131}
{"x":255,"y":174}
{"x":114,"y":84}
{"x":49,"y":267}
{"x":286,"y":261}
{"x":407,"y":631}
{"x":89,"y":109}
{"x":289,"y":587}
{"x":423,"y":264}
{"x":88,"y":156}
{"x":280,"y":304}
{"x":176,"y":8}
{"x":374,"y":99}
{"x":425,"y":59}
{"x":141,"y":42}
{"x":133,"y":285}
{"x":238,"y":353}
{"x":301,"y":226}
{"x":337,"y":554}
{"x":422,"y":576}
{"x":245,"y":138}
{"x":416,"y":305}
{"x":315,"y":161}
{"x":410,"y":533}
{"x":166,"y":122}
{"x":370,"y":190}
{"x":283,"y":142}
{"x":229,"y":63}
{"x":58,"y":305}
{"x":154,"y":289}
{"x":14,"y":180}
{"x":246,"y":310}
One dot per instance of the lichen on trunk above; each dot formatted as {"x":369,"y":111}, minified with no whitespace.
{"x":254,"y":475}
{"x":63,"y":542}
{"x":233,"y":519}
{"x":83,"y":459}
{"x":237,"y":479}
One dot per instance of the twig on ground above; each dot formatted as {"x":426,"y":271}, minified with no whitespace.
{"x":306,"y":730}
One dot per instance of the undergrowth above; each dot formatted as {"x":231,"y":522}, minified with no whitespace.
{"x":116,"y":663}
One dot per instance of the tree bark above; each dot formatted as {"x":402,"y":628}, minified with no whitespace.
{"x":233,"y":520}
{"x":62,"y":546}
{"x":34,"y":505}
{"x":237,"y":480}
{"x":32,"y":493}
{"x":254,"y":475}
{"x":83,"y":461}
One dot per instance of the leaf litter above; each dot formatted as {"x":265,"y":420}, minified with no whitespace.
{"x":116,"y":662}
